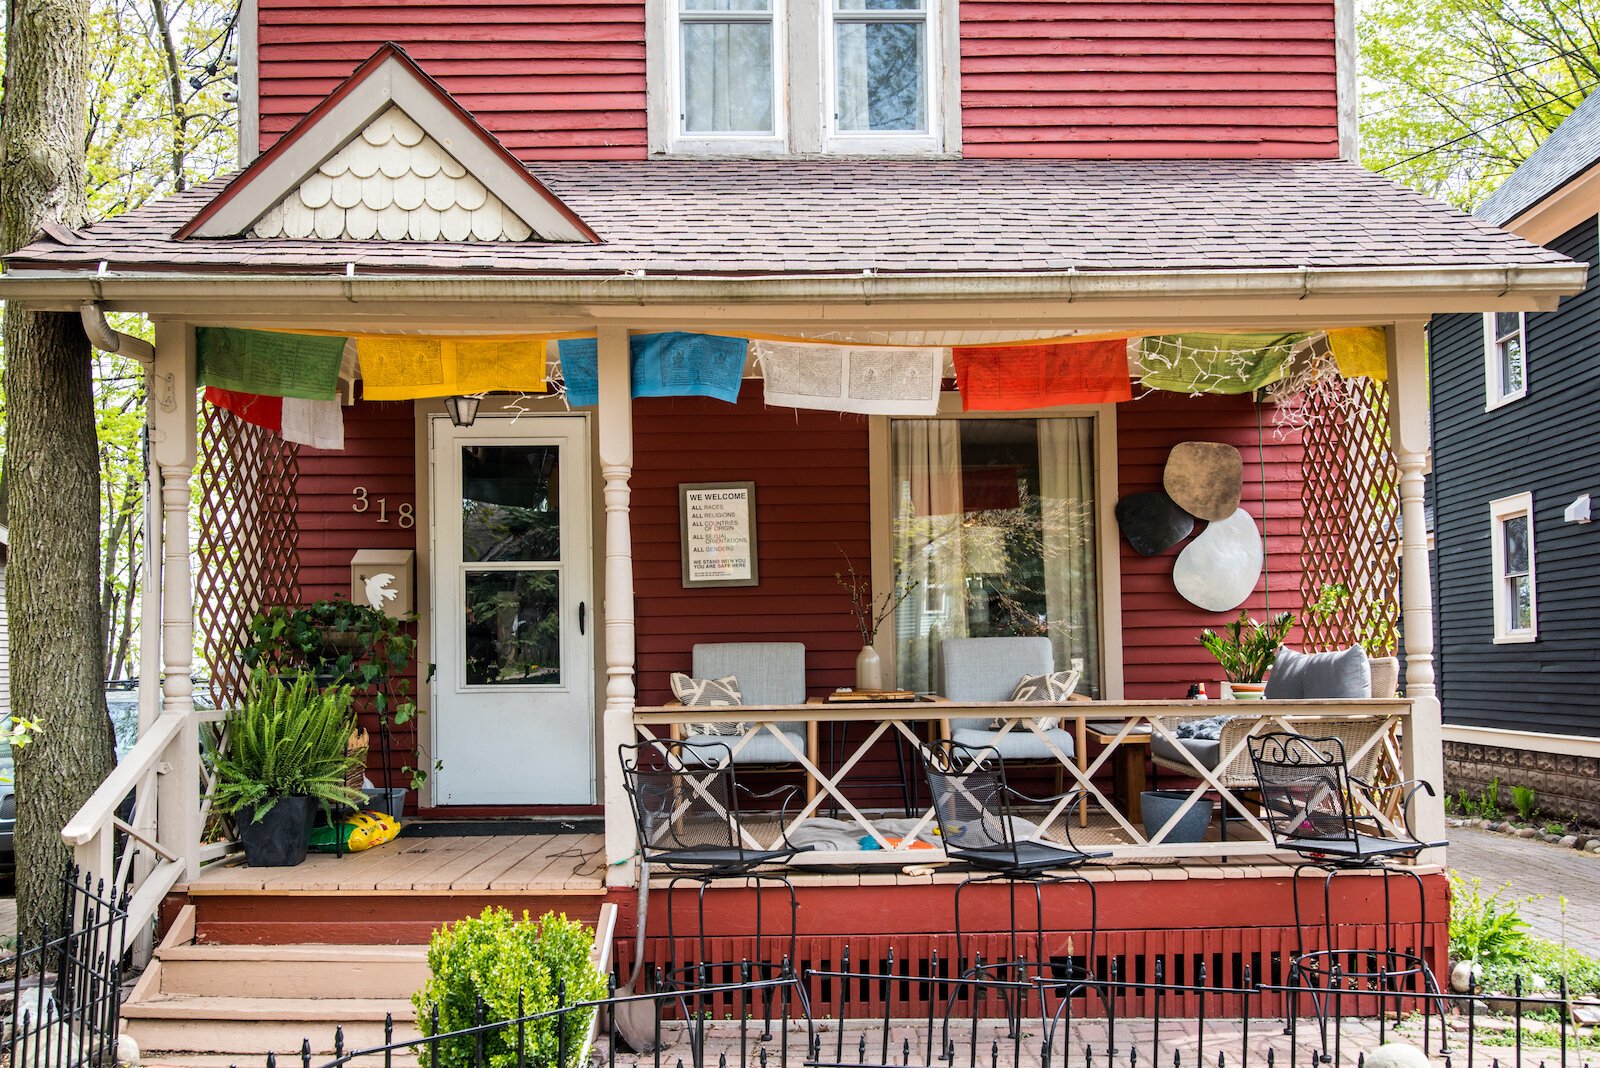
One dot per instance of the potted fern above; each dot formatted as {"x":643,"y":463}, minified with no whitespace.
{"x":287,"y":753}
{"x":1246,"y":648}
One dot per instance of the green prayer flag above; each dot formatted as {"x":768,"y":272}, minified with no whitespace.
{"x":269,"y":364}
{"x":1216,"y":363}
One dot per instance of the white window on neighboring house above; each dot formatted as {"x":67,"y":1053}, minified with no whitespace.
{"x":799,"y":77}
{"x":1516,"y":598}
{"x":1505,"y":368}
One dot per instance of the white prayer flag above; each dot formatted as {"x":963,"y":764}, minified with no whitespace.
{"x":319,"y":424}
{"x":839,"y":378}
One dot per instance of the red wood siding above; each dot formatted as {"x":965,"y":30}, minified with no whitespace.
{"x":379,"y":454}
{"x":1141,"y":79}
{"x":552,"y":79}
{"x":810,"y":471}
{"x":1160,"y":651}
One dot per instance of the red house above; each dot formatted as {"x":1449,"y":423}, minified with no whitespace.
{"x":750,"y":292}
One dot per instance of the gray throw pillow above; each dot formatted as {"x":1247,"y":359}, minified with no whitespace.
{"x":708,"y":693}
{"x":1320,"y":676}
{"x":1043,"y":689}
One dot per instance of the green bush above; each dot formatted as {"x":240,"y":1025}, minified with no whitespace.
{"x":1484,"y":928}
{"x":494,"y":957}
{"x":286,"y":740}
{"x":1526,"y":802}
{"x":1542,"y":964}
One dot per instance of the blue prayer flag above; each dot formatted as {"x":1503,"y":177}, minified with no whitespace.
{"x":663,"y":365}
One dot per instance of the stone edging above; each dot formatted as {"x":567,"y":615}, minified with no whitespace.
{"x":1587,"y":843}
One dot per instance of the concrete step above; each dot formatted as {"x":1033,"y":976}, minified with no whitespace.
{"x":209,"y":1023}
{"x":294,"y":971}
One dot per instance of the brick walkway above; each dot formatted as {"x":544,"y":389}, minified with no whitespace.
{"x":1536,"y":868}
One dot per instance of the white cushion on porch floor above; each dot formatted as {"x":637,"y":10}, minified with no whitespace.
{"x":762,"y":749}
{"x":1019,"y":743}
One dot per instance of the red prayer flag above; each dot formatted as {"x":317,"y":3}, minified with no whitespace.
{"x":252,"y":408}
{"x":1013,"y":378}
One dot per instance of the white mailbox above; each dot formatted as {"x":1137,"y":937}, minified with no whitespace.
{"x":383,"y":579}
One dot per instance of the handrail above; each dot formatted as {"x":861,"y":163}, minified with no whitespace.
{"x":141,"y":760}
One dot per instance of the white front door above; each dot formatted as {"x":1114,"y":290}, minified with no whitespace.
{"x":513,"y":619}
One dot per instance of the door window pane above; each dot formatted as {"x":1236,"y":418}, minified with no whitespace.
{"x":510,"y":502}
{"x":880,"y":68}
{"x":994,"y":530}
{"x":727,"y":77}
{"x":513,"y":628}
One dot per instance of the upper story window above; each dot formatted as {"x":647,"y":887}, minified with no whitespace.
{"x":798,"y":77}
{"x":1505,"y":347}
{"x":1516,"y":598}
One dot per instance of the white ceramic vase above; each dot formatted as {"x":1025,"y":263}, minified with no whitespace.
{"x":869,"y":669}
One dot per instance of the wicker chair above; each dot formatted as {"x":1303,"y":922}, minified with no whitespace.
{"x":1240,"y":774}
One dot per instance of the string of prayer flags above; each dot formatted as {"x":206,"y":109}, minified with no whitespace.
{"x":406,"y":368}
{"x":881,"y":380}
{"x":1216,"y":363}
{"x":317,"y":423}
{"x":253,"y":408}
{"x":672,"y":364}
{"x":268,"y":363}
{"x":1360,"y":352}
{"x":1017,"y":378}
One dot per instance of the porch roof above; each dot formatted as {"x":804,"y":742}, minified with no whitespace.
{"x":849,"y":217}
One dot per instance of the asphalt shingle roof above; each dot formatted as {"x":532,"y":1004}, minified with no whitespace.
{"x":850,"y":216}
{"x":1573,"y":148}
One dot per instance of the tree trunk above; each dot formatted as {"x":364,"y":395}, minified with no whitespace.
{"x":52,"y":462}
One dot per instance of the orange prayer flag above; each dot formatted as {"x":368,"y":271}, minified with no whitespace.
{"x":1041,"y":376}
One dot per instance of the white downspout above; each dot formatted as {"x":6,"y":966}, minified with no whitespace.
{"x":102,"y":337}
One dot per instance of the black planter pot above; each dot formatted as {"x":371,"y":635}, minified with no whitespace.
{"x":278,"y":839}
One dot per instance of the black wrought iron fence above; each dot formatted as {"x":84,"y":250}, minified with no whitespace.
{"x":64,"y":982}
{"x":1002,"y":1014}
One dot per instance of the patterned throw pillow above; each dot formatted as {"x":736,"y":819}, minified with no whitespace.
{"x":1053,"y":688}
{"x":708,"y":693}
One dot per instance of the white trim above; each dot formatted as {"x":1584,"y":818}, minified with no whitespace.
{"x":394,"y":83}
{"x":1495,"y":394}
{"x":668,"y":93}
{"x":1535,"y":741}
{"x":883,"y":143}
{"x":1346,"y":49}
{"x":249,"y":70}
{"x":1519,"y":504}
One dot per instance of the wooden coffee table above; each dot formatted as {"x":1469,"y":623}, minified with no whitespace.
{"x":1127,"y":763}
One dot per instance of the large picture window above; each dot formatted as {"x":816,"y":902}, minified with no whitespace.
{"x":994,"y":522}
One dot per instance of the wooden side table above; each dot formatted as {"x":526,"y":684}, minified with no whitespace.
{"x":1127,"y":764}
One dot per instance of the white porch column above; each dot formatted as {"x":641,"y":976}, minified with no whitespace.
{"x":616,"y":465}
{"x":1408,"y":426}
{"x":172,"y":443}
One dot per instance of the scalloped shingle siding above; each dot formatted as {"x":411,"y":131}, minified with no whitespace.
{"x":392,"y":183}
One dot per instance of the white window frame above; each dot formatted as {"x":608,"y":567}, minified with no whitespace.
{"x":803,"y":102}
{"x":1520,"y":504}
{"x":685,"y":142}
{"x":1495,"y":392}
{"x":882,"y":142}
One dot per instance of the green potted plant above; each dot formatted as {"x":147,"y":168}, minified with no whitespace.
{"x":287,"y":753}
{"x":343,"y":643}
{"x":1246,"y":648}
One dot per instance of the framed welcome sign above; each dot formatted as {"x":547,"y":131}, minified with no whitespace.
{"x":717,"y":534}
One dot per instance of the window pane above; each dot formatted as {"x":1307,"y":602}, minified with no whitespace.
{"x":727,"y":5}
{"x":994,"y":532}
{"x":727,"y":77}
{"x":1521,"y":603}
{"x":513,"y":628}
{"x":1515,"y":532}
{"x":880,"y":76}
{"x":878,"y":5}
{"x":1511,"y":364}
{"x":1506,"y":323}
{"x":510,"y":502}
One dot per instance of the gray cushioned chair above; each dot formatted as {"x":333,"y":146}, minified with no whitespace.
{"x":987,"y":670}
{"x":769,"y":673}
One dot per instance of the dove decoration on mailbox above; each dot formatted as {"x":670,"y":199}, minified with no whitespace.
{"x":382,"y":579}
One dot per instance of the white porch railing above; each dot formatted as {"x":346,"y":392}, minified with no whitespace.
{"x":1382,"y":737}
{"x":136,"y":830}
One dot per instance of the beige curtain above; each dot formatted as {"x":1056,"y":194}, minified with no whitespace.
{"x":1066,"y":484}
{"x":927,"y":546}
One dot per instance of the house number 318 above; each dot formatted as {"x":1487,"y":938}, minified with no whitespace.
{"x":404,"y":514}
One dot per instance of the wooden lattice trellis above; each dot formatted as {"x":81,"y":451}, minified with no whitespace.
{"x":1351,"y":516}
{"x":248,"y":539}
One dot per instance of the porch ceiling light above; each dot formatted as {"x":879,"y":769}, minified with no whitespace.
{"x":463,"y":410}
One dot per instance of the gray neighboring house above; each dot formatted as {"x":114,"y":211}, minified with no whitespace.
{"x":1516,"y":461}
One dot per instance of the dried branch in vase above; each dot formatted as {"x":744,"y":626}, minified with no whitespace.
{"x":869,"y":611}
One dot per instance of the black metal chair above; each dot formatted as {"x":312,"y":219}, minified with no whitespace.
{"x":973,"y":804}
{"x":687,"y":815}
{"x":1307,"y":797}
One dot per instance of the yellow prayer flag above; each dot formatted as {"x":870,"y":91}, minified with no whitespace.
{"x":407,"y":368}
{"x":1360,"y":352}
